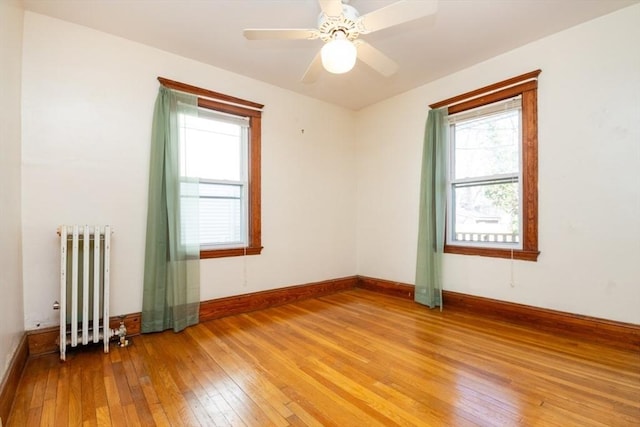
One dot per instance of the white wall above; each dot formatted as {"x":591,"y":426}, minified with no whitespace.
{"x":87,"y":107}
{"x":589,"y":175}
{"x":11,"y":315}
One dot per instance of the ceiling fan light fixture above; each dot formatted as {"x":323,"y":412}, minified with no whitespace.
{"x":339,"y":55}
{"x":340,"y":26}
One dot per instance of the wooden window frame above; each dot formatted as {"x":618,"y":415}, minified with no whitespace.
{"x":526,"y":86}
{"x":231,"y":105}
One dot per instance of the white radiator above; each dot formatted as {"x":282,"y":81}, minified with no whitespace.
{"x":84,"y":286}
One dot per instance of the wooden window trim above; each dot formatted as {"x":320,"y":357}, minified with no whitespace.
{"x":525,"y":85}
{"x":232,"y":105}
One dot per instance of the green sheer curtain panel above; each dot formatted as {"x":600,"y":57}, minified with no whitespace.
{"x":428,"y":289}
{"x":171,"y":293}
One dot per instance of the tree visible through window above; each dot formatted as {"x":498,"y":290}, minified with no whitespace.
{"x":492,"y":170}
{"x":484,"y":176}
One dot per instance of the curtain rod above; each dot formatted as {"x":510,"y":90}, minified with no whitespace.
{"x":215,"y":96}
{"x":533,"y":75}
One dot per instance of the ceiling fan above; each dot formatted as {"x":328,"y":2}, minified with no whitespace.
{"x":340,"y":26}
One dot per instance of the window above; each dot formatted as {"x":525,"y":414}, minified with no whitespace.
{"x":214,"y":150}
{"x":220,"y":149}
{"x":492,"y":201}
{"x":484,"y":176}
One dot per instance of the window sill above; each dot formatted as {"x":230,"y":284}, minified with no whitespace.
{"x":524,"y":255}
{"x":229,"y":252}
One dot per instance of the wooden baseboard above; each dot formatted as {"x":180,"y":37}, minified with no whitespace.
{"x":616,"y":334}
{"x":386,"y":287}
{"x":221,"y":307}
{"x":44,"y":341}
{"x":11,"y":380}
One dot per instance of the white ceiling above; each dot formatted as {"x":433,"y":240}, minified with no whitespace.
{"x":460,"y":34}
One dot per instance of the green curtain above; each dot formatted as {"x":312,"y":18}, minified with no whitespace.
{"x":171,"y":293}
{"x":428,"y":289}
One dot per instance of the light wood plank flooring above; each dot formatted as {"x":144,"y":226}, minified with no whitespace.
{"x":353,"y":358}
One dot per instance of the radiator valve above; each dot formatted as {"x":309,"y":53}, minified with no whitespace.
{"x":122,"y":333}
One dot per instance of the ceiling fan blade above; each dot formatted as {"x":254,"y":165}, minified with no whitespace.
{"x":375,"y":59}
{"x":281,"y":34}
{"x":398,"y":13}
{"x":331,"y":7}
{"x":314,"y":70}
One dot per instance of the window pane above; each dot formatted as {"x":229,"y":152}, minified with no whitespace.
{"x":486,"y":213}
{"x":487,"y":145}
{"x":221,"y":214}
{"x":212,"y":149}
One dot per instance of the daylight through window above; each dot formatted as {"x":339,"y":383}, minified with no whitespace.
{"x":484,"y":176}
{"x":492,"y":170}
{"x":220,"y":156}
{"x":214,"y":150}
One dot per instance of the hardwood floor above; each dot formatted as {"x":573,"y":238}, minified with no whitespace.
{"x":354,"y":358}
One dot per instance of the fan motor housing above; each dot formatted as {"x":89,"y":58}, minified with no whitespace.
{"x":348,"y":23}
